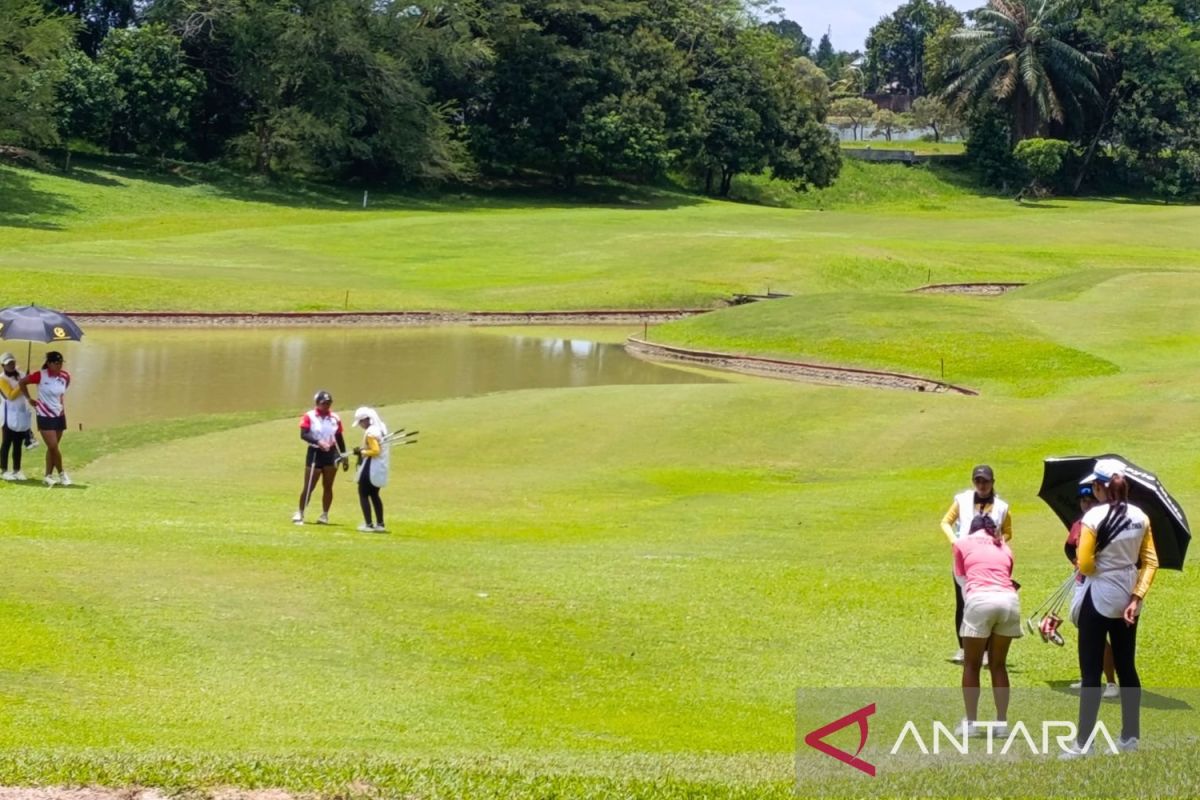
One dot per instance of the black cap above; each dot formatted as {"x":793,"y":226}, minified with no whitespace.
{"x":322,"y":397}
{"x":983,"y":471}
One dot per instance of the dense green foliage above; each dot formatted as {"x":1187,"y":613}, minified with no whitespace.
{"x":895,"y":55}
{"x":395,"y":90}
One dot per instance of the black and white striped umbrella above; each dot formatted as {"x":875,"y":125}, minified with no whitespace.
{"x":1168,"y":522}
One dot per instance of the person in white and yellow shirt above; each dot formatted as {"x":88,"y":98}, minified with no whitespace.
{"x":373,"y":467}
{"x":17,"y":417}
{"x":980,"y":499}
{"x":1117,"y":560}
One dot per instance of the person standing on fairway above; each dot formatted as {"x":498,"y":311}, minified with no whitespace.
{"x":1087,"y":501}
{"x":52,"y":382}
{"x":981,"y":499}
{"x":1117,"y":559}
{"x":17,"y":418}
{"x":322,"y":430}
{"x":372,"y":468}
{"x":983,"y":565}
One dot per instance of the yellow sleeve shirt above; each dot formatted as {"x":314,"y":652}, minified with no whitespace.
{"x":1086,"y":558}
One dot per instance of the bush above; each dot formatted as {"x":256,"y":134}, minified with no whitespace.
{"x":1042,"y":162}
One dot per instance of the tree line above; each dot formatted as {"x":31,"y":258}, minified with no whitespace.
{"x":1056,"y":90}
{"x":402,"y":91}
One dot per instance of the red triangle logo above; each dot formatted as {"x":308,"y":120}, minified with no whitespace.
{"x":816,"y":739}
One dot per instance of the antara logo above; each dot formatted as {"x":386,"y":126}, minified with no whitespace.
{"x":816,"y":739}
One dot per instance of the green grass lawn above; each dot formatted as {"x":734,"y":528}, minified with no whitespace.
{"x":103,"y":238}
{"x":605,"y":592}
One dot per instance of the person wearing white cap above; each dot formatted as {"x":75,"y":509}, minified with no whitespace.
{"x":966,"y":506}
{"x":17,"y":417}
{"x":1117,"y":560}
{"x":372,"y":468}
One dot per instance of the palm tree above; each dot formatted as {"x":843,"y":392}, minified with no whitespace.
{"x":1018,"y":53}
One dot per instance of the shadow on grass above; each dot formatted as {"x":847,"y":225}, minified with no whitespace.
{"x":1160,"y":700}
{"x":23,"y":206}
{"x":526,"y":192}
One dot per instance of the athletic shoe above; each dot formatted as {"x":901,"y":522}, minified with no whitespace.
{"x":1073,"y":751}
{"x":999,"y":731}
{"x":966,"y":728}
{"x":365,"y":528}
{"x":1077,"y":685}
{"x":985,"y":659}
{"x":32,"y":444}
{"x":49,"y":480}
{"x":298,"y":518}
{"x":19,"y":476}
{"x":958,"y":657}
{"x":66,"y":479}
{"x":323,"y":519}
{"x":8,"y":476}
{"x":380,"y":529}
{"x":1111,"y":691}
{"x":1129,"y":745}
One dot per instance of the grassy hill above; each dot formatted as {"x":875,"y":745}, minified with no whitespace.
{"x":103,"y":238}
{"x":602,"y":592}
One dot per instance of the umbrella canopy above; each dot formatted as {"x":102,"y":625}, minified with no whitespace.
{"x":1060,"y":490}
{"x":37,"y":324}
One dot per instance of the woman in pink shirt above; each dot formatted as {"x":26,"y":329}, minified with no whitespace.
{"x":991,"y":618}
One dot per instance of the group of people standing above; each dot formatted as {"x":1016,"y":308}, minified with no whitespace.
{"x":20,"y":411}
{"x":321,"y":429}
{"x":1112,"y":549}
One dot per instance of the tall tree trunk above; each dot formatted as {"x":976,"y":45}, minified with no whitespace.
{"x":1091,"y":151}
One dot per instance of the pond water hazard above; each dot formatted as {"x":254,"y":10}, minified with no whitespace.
{"x":122,"y":376}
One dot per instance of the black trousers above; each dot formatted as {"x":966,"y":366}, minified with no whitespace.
{"x":959,"y":605}
{"x":14,"y":440}
{"x":1093,"y":628}
{"x":368,"y":496}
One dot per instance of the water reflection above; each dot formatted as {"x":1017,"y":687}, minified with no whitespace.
{"x":121,"y":376}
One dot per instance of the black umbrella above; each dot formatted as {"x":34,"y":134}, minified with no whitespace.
{"x":37,"y":324}
{"x":1060,"y":490}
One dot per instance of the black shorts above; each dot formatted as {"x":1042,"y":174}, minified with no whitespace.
{"x":320,"y":458}
{"x":52,"y":423}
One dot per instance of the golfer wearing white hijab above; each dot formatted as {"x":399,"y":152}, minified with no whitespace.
{"x":373,"y":468}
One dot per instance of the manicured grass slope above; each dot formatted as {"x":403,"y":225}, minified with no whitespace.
{"x":103,"y":238}
{"x":602,"y":592}
{"x":580,"y":581}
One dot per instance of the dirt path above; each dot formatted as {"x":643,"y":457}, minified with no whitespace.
{"x":791,"y":370}
{"x":164,"y":319}
{"x":984,"y":289}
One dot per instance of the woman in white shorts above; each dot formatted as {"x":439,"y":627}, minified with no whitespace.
{"x":983,"y":563}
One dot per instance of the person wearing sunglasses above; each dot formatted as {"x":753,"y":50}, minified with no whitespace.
{"x":980,"y":499}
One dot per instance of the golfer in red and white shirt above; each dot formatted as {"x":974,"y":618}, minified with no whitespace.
{"x":52,"y":382}
{"x":322,"y":430}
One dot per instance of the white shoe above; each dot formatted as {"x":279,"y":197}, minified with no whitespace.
{"x":1073,"y":751}
{"x":1000,"y":731}
{"x":49,"y":480}
{"x":298,"y":518}
{"x":966,"y":728}
{"x":64,"y":478}
{"x":958,"y":657}
{"x":323,"y":519}
{"x":1111,"y":691}
{"x":380,"y":529}
{"x":1129,"y":745}
{"x":32,"y":444}
{"x":985,"y":660}
{"x":365,"y":528}
{"x":1077,"y":685}
{"x":8,"y":476}
{"x":20,"y":476}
